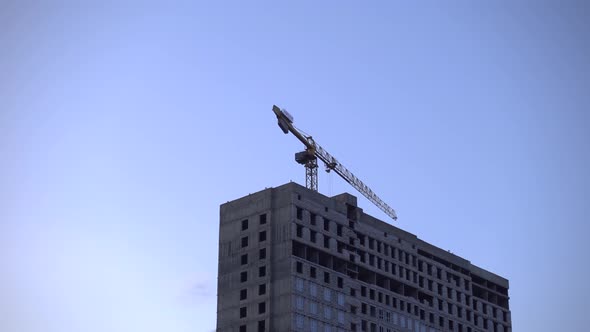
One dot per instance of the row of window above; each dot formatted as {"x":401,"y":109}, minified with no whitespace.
{"x":396,"y":270}
{"x":314,"y":290}
{"x":394,"y":321}
{"x":261,"y":310}
{"x":385,"y":249}
{"x":399,"y":304}
{"x":244,"y":292}
{"x":404,"y":273}
{"x":244,"y":259}
{"x":245,"y":239}
{"x":303,"y":323}
{"x":313,"y":274}
{"x":261,"y":327}
{"x":261,"y":256}
{"x":314,"y":308}
{"x":261,"y":221}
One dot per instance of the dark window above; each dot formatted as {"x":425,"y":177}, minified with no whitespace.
{"x":262,"y":271}
{"x":262,"y":289}
{"x":312,"y":236}
{"x":262,"y":219}
{"x":262,"y":253}
{"x":312,"y":272}
{"x":243,"y":312}
{"x":242,"y":328}
{"x":299,"y":267}
{"x":244,"y":224}
{"x":326,"y":277}
{"x":243,"y":294}
{"x":299,"y":213}
{"x":312,"y":219}
{"x":299,"y":231}
{"x":339,"y":230}
{"x":244,"y":259}
{"x":326,"y":242}
{"x":262,"y":236}
{"x":244,"y":276}
{"x":261,"y":307}
{"x":340,"y":282}
{"x":326,"y":224}
{"x":244,"y":241}
{"x":261,"y":326}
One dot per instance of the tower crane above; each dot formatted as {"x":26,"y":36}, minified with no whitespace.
{"x":309,"y":158}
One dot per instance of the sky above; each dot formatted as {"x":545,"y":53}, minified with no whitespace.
{"x":124,"y":126}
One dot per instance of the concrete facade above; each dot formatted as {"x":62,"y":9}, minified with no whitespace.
{"x":294,"y":260}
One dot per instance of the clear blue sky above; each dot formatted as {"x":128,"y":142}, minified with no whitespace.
{"x":123,"y":127}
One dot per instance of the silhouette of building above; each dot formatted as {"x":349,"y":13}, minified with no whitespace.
{"x":291,"y":259}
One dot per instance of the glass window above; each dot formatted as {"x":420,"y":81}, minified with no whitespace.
{"x":313,"y":307}
{"x":299,"y":284}
{"x":313,"y":289}
{"x":299,"y":302}
{"x":313,"y":325}
{"x":327,"y":312}
{"x":340,"y":299}
{"x":340,"y":317}
{"x":327,"y":294}
{"x":299,"y":321}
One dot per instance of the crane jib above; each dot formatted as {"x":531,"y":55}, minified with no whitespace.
{"x":285,"y":122}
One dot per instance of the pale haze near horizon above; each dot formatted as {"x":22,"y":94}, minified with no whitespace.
{"x":123,"y":127}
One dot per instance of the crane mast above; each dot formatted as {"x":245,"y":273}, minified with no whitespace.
{"x":309,"y":158}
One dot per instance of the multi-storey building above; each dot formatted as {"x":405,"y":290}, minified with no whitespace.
{"x":291,"y":259}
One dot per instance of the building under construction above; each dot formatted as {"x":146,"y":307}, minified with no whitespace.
{"x":292,"y":259}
